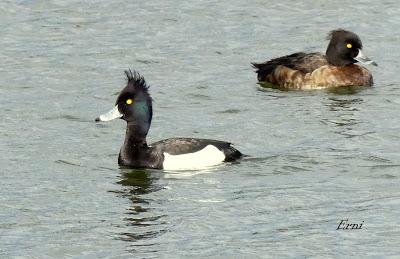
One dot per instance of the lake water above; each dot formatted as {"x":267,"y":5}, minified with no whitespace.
{"x":315,"y":158}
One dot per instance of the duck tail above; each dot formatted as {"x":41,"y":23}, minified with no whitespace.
{"x":268,"y":67}
{"x":232,"y":154}
{"x":264,"y":69}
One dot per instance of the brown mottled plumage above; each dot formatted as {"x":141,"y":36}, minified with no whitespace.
{"x":302,"y":71}
{"x":324,"y":77}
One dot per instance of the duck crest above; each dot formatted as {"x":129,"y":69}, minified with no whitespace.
{"x":136,"y":80}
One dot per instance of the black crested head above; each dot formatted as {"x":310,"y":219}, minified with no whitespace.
{"x":134,"y":102}
{"x":343,"y":47}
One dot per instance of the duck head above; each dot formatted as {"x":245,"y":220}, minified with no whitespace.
{"x":345,"y":48}
{"x":133,"y":104}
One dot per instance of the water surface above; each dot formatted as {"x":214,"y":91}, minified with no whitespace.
{"x":315,"y":157}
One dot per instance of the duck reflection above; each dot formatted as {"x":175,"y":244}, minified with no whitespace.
{"x":343,"y":115}
{"x":345,"y":110}
{"x":337,"y":104}
{"x":345,"y":90}
{"x":344,"y":107}
{"x":142,"y":219}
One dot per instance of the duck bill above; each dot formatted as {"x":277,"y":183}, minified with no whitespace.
{"x":113,"y":114}
{"x":364,"y":59}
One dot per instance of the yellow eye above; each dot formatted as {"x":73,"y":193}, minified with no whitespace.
{"x":349,"y":46}
{"x":129,"y":101}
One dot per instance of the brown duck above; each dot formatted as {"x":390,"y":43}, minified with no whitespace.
{"x":307,"y":71}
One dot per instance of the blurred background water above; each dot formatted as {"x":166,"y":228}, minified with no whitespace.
{"x":315,"y":157}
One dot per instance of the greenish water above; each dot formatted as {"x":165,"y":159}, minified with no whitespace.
{"x":315,"y":157}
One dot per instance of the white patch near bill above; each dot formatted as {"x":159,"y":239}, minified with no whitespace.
{"x":208,"y":156}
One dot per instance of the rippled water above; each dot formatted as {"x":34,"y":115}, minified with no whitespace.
{"x":315,"y":157}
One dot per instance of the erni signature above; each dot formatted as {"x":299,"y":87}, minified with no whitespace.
{"x":345,"y":225}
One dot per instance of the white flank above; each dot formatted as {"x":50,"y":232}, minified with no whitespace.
{"x":208,"y":156}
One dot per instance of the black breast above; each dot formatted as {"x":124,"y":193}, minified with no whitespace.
{"x":143,"y":157}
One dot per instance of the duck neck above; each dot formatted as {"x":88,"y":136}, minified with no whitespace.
{"x":134,"y":145}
